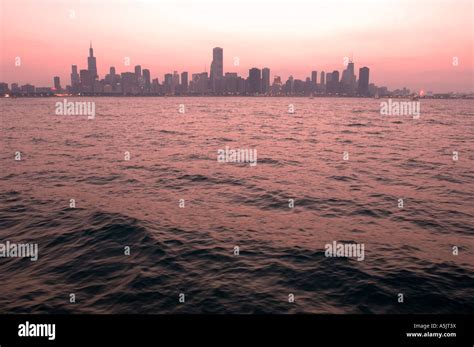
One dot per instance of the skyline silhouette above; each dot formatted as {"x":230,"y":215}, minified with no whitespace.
{"x":216,"y":81}
{"x":404,"y":43}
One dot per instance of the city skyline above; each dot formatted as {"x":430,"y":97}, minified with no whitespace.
{"x":216,"y":70}
{"x":403,"y":43}
{"x":215,"y":82}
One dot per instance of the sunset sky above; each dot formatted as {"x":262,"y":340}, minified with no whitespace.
{"x":404,"y":43}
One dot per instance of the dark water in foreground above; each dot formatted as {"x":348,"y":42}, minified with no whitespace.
{"x":190,"y":250}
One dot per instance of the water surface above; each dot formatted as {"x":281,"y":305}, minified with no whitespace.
{"x":189,"y":250}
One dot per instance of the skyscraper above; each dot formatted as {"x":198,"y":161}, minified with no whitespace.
{"x":57,"y":84}
{"x":314,"y":82}
{"x":314,"y":77}
{"x":328,"y":78}
{"x":200,"y":83}
{"x":92,"y":64}
{"x":168,"y":81}
{"x":276,"y":86}
{"x":255,"y":81}
{"x":184,"y":82}
{"x":74,"y":77}
{"x":348,"y":80}
{"x":363,"y":88}
{"x":147,"y":80}
{"x":175,"y":82}
{"x":231,"y":84}
{"x":87,"y":81}
{"x":332,"y":85}
{"x":323,"y":78}
{"x":350,"y":68}
{"x":217,"y":67}
{"x":266,"y":80}
{"x":290,"y":85}
{"x":138,"y":71}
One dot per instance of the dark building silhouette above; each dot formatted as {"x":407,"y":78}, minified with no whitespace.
{"x":92,"y":64}
{"x":258,"y":82}
{"x":184,"y":82}
{"x":155,"y":86}
{"x":74,"y":78}
{"x":363,"y":87}
{"x":138,"y":71}
{"x":28,"y":89}
{"x":276,"y":86}
{"x":348,"y":80}
{"x":328,"y":78}
{"x":87,"y":81}
{"x":15,"y":88}
{"x":298,"y":87}
{"x":332,"y":86}
{"x":314,"y":77}
{"x":217,"y":68}
{"x":255,"y":81}
{"x":167,"y":83}
{"x":200,"y":83}
{"x":266,"y":80}
{"x":57,"y":83}
{"x":112,"y":78}
{"x":3,"y":88}
{"x":175,"y":83}
{"x":129,"y":83}
{"x":289,"y":87}
{"x":147,"y":80}
{"x":231,"y":83}
{"x":309,"y":86}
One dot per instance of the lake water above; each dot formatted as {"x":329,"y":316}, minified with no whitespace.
{"x":188,"y":246}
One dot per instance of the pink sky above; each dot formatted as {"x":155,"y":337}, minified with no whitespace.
{"x":404,"y":42}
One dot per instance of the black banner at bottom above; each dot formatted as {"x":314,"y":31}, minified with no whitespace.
{"x":294,"y":330}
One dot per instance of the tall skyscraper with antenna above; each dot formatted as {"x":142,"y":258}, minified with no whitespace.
{"x":91,"y":63}
{"x":348,"y":80}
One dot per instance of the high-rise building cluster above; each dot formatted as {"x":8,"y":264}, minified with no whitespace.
{"x":217,"y":82}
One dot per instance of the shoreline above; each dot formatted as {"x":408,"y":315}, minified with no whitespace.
{"x":463,"y":97}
